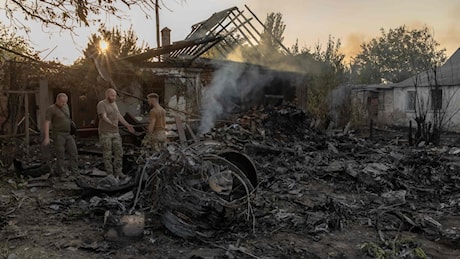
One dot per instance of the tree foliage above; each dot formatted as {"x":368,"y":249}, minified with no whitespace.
{"x":20,"y":68}
{"x":68,"y":14}
{"x":397,"y":55}
{"x":267,"y":52}
{"x":273,"y":33}
{"x":328,"y":72}
{"x":18,"y":60}
{"x":13,"y":46}
{"x":121,"y":44}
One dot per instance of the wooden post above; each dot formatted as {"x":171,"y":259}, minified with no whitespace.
{"x":26,"y":118}
{"x":410,"y":132}
{"x":371,"y":127}
{"x":26,"y":126}
{"x":43,"y":102}
{"x":157,"y":19}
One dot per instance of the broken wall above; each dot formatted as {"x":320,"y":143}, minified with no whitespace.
{"x":183,"y":92}
{"x":360,"y":115}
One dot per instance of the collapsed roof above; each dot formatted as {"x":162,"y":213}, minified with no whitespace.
{"x":223,"y":32}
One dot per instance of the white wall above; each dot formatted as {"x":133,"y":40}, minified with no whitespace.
{"x":450,"y":100}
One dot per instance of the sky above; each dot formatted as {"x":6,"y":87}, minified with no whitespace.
{"x":310,"y":22}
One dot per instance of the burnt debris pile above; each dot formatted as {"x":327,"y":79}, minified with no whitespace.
{"x":269,"y":172}
{"x":314,"y":183}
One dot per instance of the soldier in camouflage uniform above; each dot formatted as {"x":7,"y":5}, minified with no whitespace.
{"x":109,"y":136}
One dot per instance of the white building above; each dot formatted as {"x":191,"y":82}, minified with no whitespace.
{"x":432,"y":93}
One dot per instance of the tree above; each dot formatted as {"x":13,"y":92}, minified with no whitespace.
{"x":330,"y":74}
{"x":120,"y":44}
{"x":273,"y":33}
{"x":19,"y":65}
{"x":68,"y":14}
{"x":396,"y":55}
{"x":13,"y":46}
{"x":325,"y":71}
{"x":267,"y":52}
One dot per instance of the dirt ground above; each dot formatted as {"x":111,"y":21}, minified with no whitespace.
{"x":318,"y":196}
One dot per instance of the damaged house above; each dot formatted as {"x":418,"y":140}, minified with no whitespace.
{"x":222,"y":65}
{"x":433,"y":95}
{"x":198,"y":82}
{"x":205,"y":75}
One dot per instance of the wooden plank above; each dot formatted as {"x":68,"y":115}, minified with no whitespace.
{"x":180,"y":129}
{"x":190,"y":131}
{"x":19,"y":91}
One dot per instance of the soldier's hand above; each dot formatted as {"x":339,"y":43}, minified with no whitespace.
{"x":131,"y":129}
{"x":46,"y":141}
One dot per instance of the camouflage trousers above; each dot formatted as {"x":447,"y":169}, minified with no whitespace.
{"x":112,"y":152}
{"x":153,"y":142}
{"x":64,"y":142}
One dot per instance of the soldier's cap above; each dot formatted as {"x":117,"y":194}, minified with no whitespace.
{"x":152,"y":95}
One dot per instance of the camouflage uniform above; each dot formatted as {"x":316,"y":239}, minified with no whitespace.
{"x":110,"y":138}
{"x":112,"y":143}
{"x":154,"y":141}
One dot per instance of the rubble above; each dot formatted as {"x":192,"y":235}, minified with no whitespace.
{"x":194,"y":188}
{"x":270,"y":185}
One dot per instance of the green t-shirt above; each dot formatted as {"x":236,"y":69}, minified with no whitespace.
{"x":111,"y":109}
{"x":60,"y":123}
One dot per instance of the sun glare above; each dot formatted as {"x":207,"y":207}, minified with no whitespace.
{"x":103,"y":46}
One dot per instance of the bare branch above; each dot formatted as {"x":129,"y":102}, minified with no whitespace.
{"x":68,"y":14}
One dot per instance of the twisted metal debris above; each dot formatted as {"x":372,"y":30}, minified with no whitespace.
{"x":195,"y":190}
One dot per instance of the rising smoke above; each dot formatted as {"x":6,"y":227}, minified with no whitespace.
{"x":231,"y":84}
{"x":243,"y":80}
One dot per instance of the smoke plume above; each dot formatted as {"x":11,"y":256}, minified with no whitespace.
{"x":232,"y":84}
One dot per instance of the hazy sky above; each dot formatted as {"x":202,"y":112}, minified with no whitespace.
{"x":309,"y":21}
